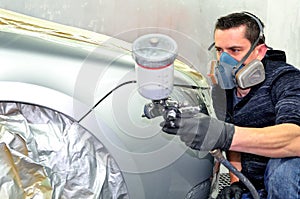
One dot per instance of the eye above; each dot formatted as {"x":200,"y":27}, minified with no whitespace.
{"x":235,"y":50}
{"x":219,"y":50}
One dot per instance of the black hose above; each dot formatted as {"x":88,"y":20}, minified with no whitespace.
{"x":220,"y":157}
{"x":110,"y":92}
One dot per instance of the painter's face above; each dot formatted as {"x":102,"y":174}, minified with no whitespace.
{"x":234,"y":42}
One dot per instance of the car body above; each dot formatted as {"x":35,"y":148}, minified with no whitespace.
{"x":89,"y":79}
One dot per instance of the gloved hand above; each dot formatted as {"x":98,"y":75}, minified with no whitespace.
{"x":201,"y":132}
{"x":235,"y":190}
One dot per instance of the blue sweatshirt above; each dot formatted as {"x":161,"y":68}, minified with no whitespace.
{"x":274,"y":101}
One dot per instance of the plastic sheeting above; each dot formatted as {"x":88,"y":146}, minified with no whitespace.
{"x":44,"y":154}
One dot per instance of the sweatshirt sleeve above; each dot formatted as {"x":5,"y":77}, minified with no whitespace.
{"x":286,"y":96}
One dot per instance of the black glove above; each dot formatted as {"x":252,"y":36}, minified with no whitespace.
{"x":235,"y":190}
{"x":201,"y":132}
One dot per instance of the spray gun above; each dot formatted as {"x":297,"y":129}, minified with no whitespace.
{"x":154,"y":55}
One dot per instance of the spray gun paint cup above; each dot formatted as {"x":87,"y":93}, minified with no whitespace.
{"x":154,"y":55}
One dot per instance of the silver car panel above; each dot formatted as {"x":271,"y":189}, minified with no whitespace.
{"x":70,"y":73}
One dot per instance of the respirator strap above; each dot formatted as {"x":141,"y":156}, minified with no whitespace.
{"x":239,"y":65}
{"x":260,"y":36}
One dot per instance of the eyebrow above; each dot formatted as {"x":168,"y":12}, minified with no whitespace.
{"x":231,"y":47}
{"x":211,"y":46}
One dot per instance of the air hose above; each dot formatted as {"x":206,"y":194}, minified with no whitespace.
{"x":220,"y":157}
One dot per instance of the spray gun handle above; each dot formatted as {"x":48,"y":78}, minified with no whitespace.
{"x":171,"y":116}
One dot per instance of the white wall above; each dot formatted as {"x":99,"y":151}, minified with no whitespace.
{"x":190,"y":22}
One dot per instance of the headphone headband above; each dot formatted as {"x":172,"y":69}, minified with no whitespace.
{"x":260,"y":26}
{"x":261,"y":30}
{"x":260,"y":36}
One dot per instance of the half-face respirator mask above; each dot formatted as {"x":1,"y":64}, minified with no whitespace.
{"x":231,"y":73}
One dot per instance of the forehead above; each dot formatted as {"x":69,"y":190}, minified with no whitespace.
{"x":231,"y":37}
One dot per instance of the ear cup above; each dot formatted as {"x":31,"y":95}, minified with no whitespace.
{"x":251,"y":74}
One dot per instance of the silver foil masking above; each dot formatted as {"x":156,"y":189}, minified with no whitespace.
{"x":45,"y":154}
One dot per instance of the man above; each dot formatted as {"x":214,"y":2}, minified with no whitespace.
{"x":261,"y":132}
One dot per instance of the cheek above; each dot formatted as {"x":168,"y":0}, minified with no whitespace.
{"x":251,"y":57}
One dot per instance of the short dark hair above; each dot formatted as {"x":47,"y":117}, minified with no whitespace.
{"x":235,"y":20}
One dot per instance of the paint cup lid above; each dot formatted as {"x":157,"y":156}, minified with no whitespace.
{"x":154,"y":50}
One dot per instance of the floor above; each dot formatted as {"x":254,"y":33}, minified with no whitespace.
{"x":224,"y":180}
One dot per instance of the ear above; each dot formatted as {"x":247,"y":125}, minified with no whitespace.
{"x":261,"y":51}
